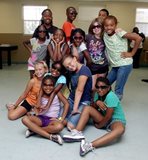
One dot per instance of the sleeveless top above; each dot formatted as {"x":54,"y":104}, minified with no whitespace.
{"x":54,"y":108}
{"x":34,"y":92}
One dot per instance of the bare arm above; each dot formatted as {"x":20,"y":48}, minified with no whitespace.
{"x":75,"y":52}
{"x":51,"y":53}
{"x":24,"y":94}
{"x":87,"y":57}
{"x":107,"y":117}
{"x":39,"y":98}
{"x":27,"y":45}
{"x":66,"y":50}
{"x":137,"y":39}
{"x":56,"y":54}
{"x":55,"y":91}
{"x":79,"y":91}
{"x":65,"y":103}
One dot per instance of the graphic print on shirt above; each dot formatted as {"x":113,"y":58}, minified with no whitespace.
{"x":96,"y":50}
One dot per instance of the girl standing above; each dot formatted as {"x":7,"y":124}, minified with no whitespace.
{"x":47,"y":21}
{"x":117,"y":50}
{"x":96,"y":48}
{"x":47,"y":123}
{"x":68,"y":26}
{"x":28,"y":99}
{"x":37,"y":47}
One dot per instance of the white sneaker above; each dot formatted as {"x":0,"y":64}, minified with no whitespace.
{"x":74,"y":136}
{"x":85,"y":147}
{"x":56,"y":138}
{"x":29,"y":133}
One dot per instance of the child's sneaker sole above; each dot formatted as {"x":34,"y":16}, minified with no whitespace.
{"x":69,"y":139}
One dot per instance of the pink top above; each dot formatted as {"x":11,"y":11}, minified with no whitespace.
{"x":54,"y":108}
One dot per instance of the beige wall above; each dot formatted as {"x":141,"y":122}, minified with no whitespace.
{"x":11,"y":24}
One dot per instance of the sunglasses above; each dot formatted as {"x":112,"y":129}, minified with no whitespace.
{"x":97,"y":26}
{"x":73,"y":13}
{"x":50,"y":85}
{"x":77,"y":38}
{"x":58,"y":69}
{"x":42,"y":31}
{"x":102,"y":87}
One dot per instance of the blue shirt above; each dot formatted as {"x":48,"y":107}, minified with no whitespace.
{"x":86,"y":96}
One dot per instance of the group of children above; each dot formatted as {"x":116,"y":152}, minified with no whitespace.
{"x":86,"y":59}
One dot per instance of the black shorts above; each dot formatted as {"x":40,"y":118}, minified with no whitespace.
{"x":26,"y":105}
{"x":101,"y":70}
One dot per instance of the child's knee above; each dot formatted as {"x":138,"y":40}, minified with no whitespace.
{"x":25,"y":120}
{"x":86,"y":109}
{"x":12,"y":116}
{"x":60,"y":127}
{"x":121,"y":131}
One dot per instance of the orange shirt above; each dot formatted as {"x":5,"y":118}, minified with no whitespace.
{"x":34,"y":92}
{"x":67,"y":28}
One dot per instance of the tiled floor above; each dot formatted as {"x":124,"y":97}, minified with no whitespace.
{"x":132,"y":146}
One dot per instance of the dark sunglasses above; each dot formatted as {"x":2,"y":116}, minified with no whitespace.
{"x":73,"y":13}
{"x":97,"y":26}
{"x":102,"y":87}
{"x":51,"y":84}
{"x":77,"y":38}
{"x":58,"y":69}
{"x":40,"y":31}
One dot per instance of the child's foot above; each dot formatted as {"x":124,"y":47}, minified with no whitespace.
{"x":56,"y":138}
{"x":85,"y":147}
{"x":29,"y":133}
{"x":74,"y":136}
{"x":10,"y":106}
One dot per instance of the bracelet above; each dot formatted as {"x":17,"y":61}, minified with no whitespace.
{"x":60,"y":118}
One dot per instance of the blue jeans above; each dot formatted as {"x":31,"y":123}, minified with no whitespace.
{"x":120,"y":75}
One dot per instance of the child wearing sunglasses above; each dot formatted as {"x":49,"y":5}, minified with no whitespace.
{"x":37,"y":48}
{"x":47,"y":124}
{"x":106,"y":113}
{"x":78,"y":46}
{"x":55,"y":71}
{"x":96,"y":48}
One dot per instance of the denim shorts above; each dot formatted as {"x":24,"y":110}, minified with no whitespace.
{"x":108,"y":125}
{"x":73,"y":119}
